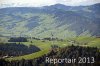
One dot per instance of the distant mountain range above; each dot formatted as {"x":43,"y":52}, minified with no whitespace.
{"x":60,"y":20}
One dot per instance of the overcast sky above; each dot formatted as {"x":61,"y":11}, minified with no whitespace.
{"x":39,"y":3}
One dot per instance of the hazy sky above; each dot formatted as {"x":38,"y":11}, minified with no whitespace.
{"x":38,"y":3}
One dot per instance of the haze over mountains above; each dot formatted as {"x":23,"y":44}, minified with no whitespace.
{"x":63,"y":21}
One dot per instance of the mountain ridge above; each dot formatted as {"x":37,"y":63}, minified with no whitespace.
{"x":41,"y":22}
{"x":24,"y":5}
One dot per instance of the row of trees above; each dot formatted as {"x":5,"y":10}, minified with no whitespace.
{"x":24,"y":39}
{"x":17,"y":39}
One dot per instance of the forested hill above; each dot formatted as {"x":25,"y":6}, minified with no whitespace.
{"x":63,"y":21}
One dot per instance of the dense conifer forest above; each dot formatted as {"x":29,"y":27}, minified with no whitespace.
{"x":13,"y":49}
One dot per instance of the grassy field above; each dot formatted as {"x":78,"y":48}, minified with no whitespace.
{"x":88,"y":41}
